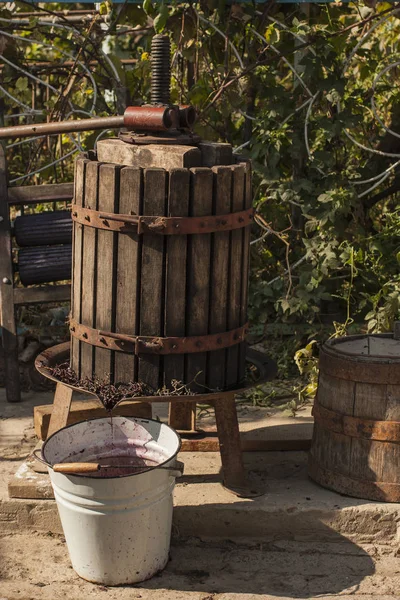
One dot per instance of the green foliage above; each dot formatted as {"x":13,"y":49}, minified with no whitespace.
{"x":332,"y":252}
{"x":160,"y":20}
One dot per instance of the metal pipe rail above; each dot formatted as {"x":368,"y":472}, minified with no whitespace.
{"x":136,"y":118}
{"x":18,"y":131}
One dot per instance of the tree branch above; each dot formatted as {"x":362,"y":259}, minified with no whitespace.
{"x":277,"y":56}
{"x":373,"y":200}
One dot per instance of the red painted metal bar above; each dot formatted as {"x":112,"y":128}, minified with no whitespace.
{"x":138,"y":118}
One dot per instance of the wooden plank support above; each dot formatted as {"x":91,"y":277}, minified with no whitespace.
{"x":81,"y":410}
{"x":45,"y":293}
{"x":230,"y":445}
{"x":61,"y":406}
{"x":8,"y":325}
{"x":34,"y":194}
{"x":210,"y":443}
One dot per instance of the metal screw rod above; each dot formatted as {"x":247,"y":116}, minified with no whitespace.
{"x":160,"y":69}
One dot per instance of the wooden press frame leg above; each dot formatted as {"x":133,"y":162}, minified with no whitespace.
{"x":229,"y":444}
{"x":182,"y":416}
{"x":7,"y":311}
{"x":10,"y":347}
{"x":61,"y":406}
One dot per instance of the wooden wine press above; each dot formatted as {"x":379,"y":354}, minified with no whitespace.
{"x":160,"y":267}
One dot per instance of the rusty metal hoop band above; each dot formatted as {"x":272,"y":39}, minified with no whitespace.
{"x":336,"y":346}
{"x":161,"y":225}
{"x":138,"y":344}
{"x":373,"y":490}
{"x":355,"y":427}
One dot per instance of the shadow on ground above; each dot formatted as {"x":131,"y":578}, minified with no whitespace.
{"x":198,"y":570}
{"x":281,"y":569}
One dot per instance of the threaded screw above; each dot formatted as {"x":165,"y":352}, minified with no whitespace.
{"x":160,"y":69}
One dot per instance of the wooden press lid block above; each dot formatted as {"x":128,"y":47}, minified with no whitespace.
{"x":148,"y":156}
{"x":207,"y":154}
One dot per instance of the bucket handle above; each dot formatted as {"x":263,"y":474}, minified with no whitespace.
{"x":175,"y":471}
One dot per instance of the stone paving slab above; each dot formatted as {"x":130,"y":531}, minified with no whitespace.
{"x":292,"y":507}
{"x":29,"y":484}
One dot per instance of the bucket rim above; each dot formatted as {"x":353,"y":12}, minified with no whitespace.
{"x":88,"y":476}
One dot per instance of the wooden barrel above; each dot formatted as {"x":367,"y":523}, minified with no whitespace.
{"x":356,"y":442}
{"x":157,"y":305}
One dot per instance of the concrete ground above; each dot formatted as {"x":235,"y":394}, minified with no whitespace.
{"x":297,"y":540}
{"x":36,"y":566}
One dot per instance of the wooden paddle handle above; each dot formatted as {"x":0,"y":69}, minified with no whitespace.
{"x":76,"y":467}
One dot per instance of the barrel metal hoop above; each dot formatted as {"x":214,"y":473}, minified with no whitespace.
{"x":358,"y":488}
{"x":161,"y":225}
{"x":132,"y":344}
{"x":363,"y":371}
{"x":337,"y":346}
{"x":356,"y":427}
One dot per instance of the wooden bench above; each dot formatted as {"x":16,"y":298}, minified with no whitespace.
{"x":41,"y":255}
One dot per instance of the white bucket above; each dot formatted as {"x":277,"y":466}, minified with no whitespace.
{"x":117,"y":526}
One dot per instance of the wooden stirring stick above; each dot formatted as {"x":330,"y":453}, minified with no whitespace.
{"x":89,"y":467}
